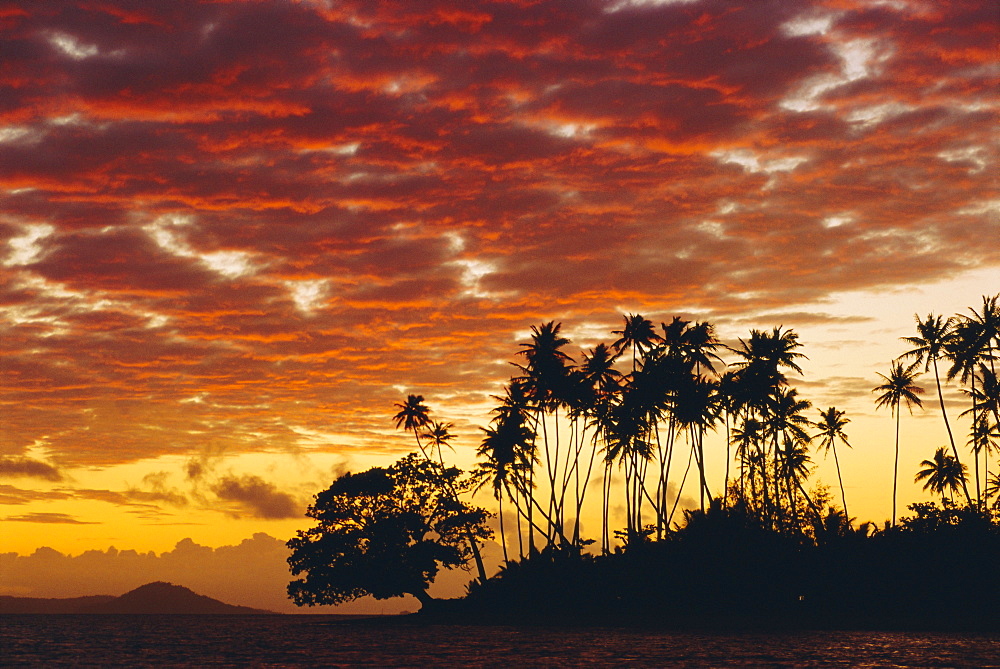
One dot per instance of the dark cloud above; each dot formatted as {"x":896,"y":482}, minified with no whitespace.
{"x":20,"y":466}
{"x":12,"y":495}
{"x":60,"y":518}
{"x":800,"y":318}
{"x":257,"y":496}
{"x":131,"y":498}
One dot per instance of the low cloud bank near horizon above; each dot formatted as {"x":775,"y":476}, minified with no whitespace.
{"x":252,"y":573}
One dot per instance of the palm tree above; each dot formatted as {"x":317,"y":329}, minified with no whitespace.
{"x":793,"y":467}
{"x":438,"y":436}
{"x":547,"y":380}
{"x":507,"y":459}
{"x":971,"y":348}
{"x":699,"y":346}
{"x":783,"y":421}
{"x":769,"y":352}
{"x":730,"y":404}
{"x":602,"y":381}
{"x":993,"y":489}
{"x":942,"y":474}
{"x":697,"y":408}
{"x":638,"y":333}
{"x":758,"y":377}
{"x":898,"y":388}
{"x":511,"y":452}
{"x":413,"y":415}
{"x":598,"y":368}
{"x":747,"y":437}
{"x":933,"y":334}
{"x":547,"y":365}
{"x":831,"y":430}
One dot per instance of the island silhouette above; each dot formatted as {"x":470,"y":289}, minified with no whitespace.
{"x":758,"y":544}
{"x":153,"y":598}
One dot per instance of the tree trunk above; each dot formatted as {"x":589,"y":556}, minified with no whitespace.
{"x":843,"y":495}
{"x":473,"y":544}
{"x":895,"y":469}
{"x":951,"y":437}
{"x":422,"y":597}
{"x":503,"y":537}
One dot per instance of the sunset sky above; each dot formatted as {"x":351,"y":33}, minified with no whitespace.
{"x":233,"y":234}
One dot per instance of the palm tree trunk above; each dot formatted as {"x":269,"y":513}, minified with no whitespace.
{"x":605,"y":505}
{"x":947,"y":425}
{"x":586,"y":482}
{"x":680,"y":490}
{"x":895,"y":468}
{"x":975,"y":445}
{"x":812,"y":505}
{"x":696,"y":446}
{"x":725,"y":489}
{"x":520,"y":535}
{"x":843,"y":495}
{"x":503,"y":536}
{"x":532,"y":525}
{"x":473,"y":544}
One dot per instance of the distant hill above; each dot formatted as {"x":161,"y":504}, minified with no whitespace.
{"x":152,"y":598}
{"x":10,"y":604}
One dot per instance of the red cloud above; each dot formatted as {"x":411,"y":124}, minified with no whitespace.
{"x":252,"y":236}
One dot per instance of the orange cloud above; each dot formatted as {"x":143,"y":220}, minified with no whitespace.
{"x":212,"y":240}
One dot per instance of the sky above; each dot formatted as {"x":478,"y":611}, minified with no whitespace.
{"x":234,"y":234}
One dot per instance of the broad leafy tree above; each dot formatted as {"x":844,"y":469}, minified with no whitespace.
{"x":384,"y":532}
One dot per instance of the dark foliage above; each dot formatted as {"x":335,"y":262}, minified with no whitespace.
{"x":385,"y":533}
{"x":724,"y":568}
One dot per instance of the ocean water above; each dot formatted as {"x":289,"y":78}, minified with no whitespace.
{"x":324,"y":641}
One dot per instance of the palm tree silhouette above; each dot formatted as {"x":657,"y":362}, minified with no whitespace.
{"x":637,"y":333}
{"x":547,"y":380}
{"x":765,"y":353}
{"x":993,"y":490}
{"x":730,"y":405}
{"x":413,"y":415}
{"x":974,"y":338}
{"x":898,"y":388}
{"x":793,"y":467}
{"x":747,"y":437}
{"x":511,"y":452}
{"x":438,"y":436}
{"x":603,"y":382}
{"x":942,"y":474}
{"x":831,"y":430}
{"x":697,"y":407}
{"x":983,"y":437}
{"x":699,"y":344}
{"x":783,"y":422}
{"x":506,"y":453}
{"x":933,"y":335}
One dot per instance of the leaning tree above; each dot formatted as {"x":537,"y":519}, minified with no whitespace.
{"x":384,"y":532}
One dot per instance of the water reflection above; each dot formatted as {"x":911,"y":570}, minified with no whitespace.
{"x":291,"y":641}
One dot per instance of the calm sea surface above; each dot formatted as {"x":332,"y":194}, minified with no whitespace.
{"x":320,"y":641}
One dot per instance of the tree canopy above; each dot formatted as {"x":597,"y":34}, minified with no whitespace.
{"x":384,"y":532}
